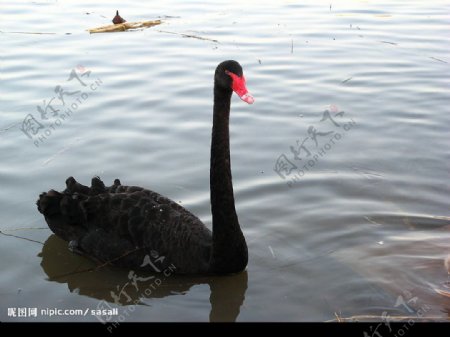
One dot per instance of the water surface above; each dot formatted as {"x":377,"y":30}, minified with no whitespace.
{"x":354,"y":223}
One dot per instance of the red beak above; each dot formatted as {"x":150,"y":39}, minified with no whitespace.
{"x":240,"y":88}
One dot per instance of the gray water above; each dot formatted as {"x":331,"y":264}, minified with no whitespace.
{"x":340,"y":168}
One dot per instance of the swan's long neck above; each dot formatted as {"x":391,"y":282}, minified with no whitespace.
{"x":229,"y":252}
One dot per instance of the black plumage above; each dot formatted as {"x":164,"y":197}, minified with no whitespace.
{"x":124,"y":224}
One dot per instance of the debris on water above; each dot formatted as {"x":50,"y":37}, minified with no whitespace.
{"x":345,"y":81}
{"x":121,"y":27}
{"x":60,"y":152}
{"x":435,"y":58}
{"x":370,"y":220}
{"x":189,"y":35}
{"x":118,"y":19}
{"x":169,"y":17}
{"x":271,"y":251}
{"x":387,"y":42}
{"x":20,"y":237}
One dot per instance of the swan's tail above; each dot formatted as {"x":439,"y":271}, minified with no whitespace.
{"x":66,"y":213}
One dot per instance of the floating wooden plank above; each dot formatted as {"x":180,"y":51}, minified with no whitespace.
{"x":121,"y":27}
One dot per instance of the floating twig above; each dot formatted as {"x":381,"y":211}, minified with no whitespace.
{"x":20,"y":237}
{"x":124,"y":26}
{"x":393,"y":43}
{"x":24,"y":228}
{"x":338,"y":318}
{"x":6,"y":128}
{"x":345,"y":81}
{"x":372,"y":221}
{"x":435,"y":58}
{"x":189,"y":35}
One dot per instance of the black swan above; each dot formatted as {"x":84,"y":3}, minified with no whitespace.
{"x":118,"y":19}
{"x":124,"y":225}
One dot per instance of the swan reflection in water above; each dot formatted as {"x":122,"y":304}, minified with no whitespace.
{"x":128,"y":287}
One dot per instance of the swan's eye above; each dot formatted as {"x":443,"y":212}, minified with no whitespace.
{"x":239,"y":87}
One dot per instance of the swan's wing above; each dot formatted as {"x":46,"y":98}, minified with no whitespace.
{"x":127,"y":225}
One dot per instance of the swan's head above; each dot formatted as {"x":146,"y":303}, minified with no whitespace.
{"x":229,"y":75}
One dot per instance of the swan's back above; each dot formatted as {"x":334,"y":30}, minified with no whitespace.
{"x":127,"y":225}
